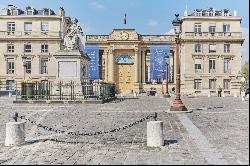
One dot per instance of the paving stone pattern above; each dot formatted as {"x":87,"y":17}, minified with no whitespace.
{"x":222,"y":122}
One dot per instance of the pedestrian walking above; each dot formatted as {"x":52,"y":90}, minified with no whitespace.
{"x":219,"y":91}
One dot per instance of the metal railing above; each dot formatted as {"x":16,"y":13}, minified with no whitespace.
{"x":65,"y":91}
{"x":207,"y":35}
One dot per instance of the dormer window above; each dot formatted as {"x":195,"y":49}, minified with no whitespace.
{"x":29,"y":12}
{"x":14,"y":12}
{"x":199,"y":13}
{"x":46,"y":12}
{"x":211,"y":13}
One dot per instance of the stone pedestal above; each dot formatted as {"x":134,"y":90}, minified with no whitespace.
{"x":155,"y":134}
{"x":15,"y":133}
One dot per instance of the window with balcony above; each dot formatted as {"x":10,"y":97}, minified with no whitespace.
{"x":44,"y":47}
{"x":226,"y":28}
{"x":226,"y":48}
{"x":212,"y":84}
{"x":226,"y":65}
{"x":11,"y":28}
{"x":197,"y":84}
{"x":226,"y":84}
{"x":212,"y":28}
{"x":198,"y":48}
{"x":44,"y":66}
{"x":197,"y":65}
{"x":197,"y":27}
{"x":10,"y":47}
{"x":10,"y":66}
{"x":27,"y":47}
{"x":212,"y":48}
{"x":212,"y":66}
{"x":28,"y":66}
{"x":28,"y":26}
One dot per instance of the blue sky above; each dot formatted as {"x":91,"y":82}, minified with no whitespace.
{"x":146,"y":16}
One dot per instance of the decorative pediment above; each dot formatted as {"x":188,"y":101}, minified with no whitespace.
{"x":124,"y":60}
{"x":121,"y":34}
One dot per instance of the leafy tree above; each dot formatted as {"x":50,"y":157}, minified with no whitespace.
{"x":245,"y":70}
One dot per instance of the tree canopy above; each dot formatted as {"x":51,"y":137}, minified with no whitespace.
{"x":245,"y":70}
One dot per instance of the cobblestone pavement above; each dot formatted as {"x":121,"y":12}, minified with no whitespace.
{"x":217,"y":131}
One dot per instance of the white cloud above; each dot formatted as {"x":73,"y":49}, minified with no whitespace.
{"x":152,"y":23}
{"x":245,"y":46}
{"x":96,"y":5}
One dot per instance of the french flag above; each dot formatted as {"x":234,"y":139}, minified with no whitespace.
{"x":125,"y":19}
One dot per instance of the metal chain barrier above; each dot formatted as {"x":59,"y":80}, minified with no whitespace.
{"x":15,"y":116}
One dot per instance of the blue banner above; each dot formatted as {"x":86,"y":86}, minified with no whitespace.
{"x":159,"y":58}
{"x":93,"y":53}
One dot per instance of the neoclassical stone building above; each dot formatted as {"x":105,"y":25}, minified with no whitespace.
{"x":31,"y":43}
{"x":210,"y":52}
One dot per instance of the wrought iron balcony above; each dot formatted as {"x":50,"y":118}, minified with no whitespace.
{"x":29,"y":34}
{"x":212,"y":35}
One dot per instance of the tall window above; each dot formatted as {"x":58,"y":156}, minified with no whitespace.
{"x":197,"y":27}
{"x":212,"y":48}
{"x":198,"y":48}
{"x":212,"y":28}
{"x":197,"y":65}
{"x":226,"y":27}
{"x":226,"y":65}
{"x":226,"y":48}
{"x":11,"y":26}
{"x":212,"y":66}
{"x":226,"y":84}
{"x":44,"y":27}
{"x":27,"y":47}
{"x":10,"y":66}
{"x":44,"y":66}
{"x":10,"y":47}
{"x":10,"y":85}
{"x":44,"y":47}
{"x":28,"y":66}
{"x":212,"y":84}
{"x":197,"y":84}
{"x":28,"y":26}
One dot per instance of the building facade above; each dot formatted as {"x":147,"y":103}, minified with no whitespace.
{"x":210,"y":52}
{"x":29,"y":39}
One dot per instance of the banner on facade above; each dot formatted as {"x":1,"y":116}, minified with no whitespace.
{"x":159,"y":58}
{"x":93,"y":53}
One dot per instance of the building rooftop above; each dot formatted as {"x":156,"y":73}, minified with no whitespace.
{"x":12,"y":10}
{"x":211,"y":12}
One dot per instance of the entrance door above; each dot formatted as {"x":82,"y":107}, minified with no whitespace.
{"x":124,"y":78}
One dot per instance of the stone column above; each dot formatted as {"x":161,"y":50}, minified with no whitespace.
{"x":143,"y":66}
{"x":136,"y":77}
{"x":136,"y":70}
{"x":112,"y":66}
{"x":106,"y":64}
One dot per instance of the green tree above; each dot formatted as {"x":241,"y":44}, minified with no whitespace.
{"x":245,"y":70}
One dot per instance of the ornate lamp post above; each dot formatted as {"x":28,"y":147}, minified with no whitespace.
{"x":166,"y":94}
{"x":24,"y":67}
{"x":177,"y":105}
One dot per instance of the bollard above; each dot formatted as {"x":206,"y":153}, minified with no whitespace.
{"x":235,"y":95}
{"x":15,"y":133}
{"x":155,"y":133}
{"x":135,"y":94}
{"x":10,"y":94}
{"x":247,"y":96}
{"x":208,"y":94}
{"x":242,"y":98}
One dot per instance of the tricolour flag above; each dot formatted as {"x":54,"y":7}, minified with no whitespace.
{"x":125,"y":19}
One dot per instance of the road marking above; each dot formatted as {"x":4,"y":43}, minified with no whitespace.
{"x":208,"y":151}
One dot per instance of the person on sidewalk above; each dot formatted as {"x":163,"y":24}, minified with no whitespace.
{"x":219,"y":91}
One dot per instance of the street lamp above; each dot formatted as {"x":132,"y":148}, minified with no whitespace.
{"x":177,"y":105}
{"x":166,"y":94}
{"x":24,"y":66}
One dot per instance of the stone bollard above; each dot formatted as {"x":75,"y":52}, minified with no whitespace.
{"x":208,"y":94}
{"x":235,"y":95}
{"x":10,"y":94}
{"x":247,"y":96}
{"x":155,"y":133}
{"x":242,"y":98}
{"x":135,"y":94}
{"x":15,"y":133}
